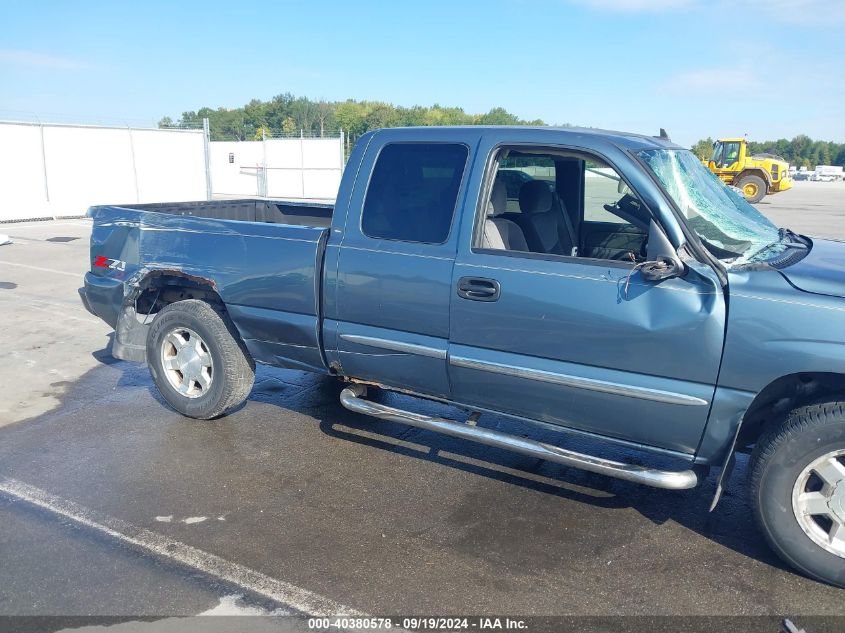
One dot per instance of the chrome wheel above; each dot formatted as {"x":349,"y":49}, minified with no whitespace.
{"x":186,"y":362}
{"x":818,"y":501}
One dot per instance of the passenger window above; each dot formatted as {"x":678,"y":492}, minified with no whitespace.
{"x":413,"y":192}
{"x":562,"y":203}
{"x":601,"y":187}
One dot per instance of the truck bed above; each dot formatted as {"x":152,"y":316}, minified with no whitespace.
{"x":262,"y":258}
{"x":247,"y":210}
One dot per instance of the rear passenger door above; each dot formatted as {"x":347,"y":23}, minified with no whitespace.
{"x":387,"y":317}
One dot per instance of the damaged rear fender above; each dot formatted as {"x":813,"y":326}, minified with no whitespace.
{"x":145,"y":293}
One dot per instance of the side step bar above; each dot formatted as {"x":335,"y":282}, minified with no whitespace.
{"x":351,"y":398}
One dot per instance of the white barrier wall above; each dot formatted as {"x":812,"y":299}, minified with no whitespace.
{"x":55,"y":170}
{"x":22,"y":191}
{"x":277,"y":168}
{"x":241,"y":177}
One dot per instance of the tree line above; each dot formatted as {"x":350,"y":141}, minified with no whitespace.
{"x":801,"y":151}
{"x":288,"y":115}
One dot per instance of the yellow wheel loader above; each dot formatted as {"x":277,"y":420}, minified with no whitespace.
{"x":756,"y":176}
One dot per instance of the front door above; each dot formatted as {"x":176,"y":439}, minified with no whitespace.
{"x":573,"y":341}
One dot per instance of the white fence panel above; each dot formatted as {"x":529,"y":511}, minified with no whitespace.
{"x":240,"y":177}
{"x":322,"y":160}
{"x":87,"y":166}
{"x":22,"y":192}
{"x":55,"y":170}
{"x":277,"y":168}
{"x":170,"y":168}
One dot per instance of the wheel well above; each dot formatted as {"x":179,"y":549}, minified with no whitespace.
{"x":754,"y":171}
{"x":161,"y":288}
{"x":772,"y":404}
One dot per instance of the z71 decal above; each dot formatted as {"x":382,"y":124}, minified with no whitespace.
{"x":105,"y":262}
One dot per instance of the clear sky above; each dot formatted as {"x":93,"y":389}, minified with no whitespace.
{"x":768,"y":68}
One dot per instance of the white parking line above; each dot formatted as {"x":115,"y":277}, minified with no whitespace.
{"x":44,"y":270}
{"x":44,"y":223}
{"x":285,"y":593}
{"x":233,"y":605}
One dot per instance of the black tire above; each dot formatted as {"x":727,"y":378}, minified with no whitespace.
{"x":758,"y":182}
{"x":233,"y":370}
{"x":779,"y":459}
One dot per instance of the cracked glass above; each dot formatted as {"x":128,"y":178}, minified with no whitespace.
{"x":731,"y":228}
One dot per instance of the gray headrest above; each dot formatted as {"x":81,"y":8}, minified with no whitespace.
{"x":535,"y":196}
{"x":498,"y":200}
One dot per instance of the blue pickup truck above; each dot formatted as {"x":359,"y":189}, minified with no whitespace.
{"x":599,"y":283}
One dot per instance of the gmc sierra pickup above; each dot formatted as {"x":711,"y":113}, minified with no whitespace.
{"x":600,"y":283}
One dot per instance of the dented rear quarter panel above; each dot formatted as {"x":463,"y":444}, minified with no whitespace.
{"x":266,"y":274}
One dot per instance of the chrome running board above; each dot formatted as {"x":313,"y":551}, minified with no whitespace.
{"x":351,"y":398}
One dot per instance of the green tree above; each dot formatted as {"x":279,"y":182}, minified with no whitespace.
{"x":288,"y":113}
{"x":704,"y":148}
{"x":351,"y":117}
{"x":289,"y":126}
{"x":498,"y":116}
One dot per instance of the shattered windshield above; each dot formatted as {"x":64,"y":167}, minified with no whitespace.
{"x":730,"y":227}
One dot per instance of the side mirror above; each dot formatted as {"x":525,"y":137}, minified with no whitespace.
{"x":622,"y":188}
{"x":661,"y":268}
{"x":663,"y":261}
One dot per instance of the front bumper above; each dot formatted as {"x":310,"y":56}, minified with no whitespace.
{"x":782,"y":185}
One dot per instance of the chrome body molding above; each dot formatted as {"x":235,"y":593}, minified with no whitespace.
{"x":395,"y":346}
{"x":351,"y":398}
{"x":591,"y":384}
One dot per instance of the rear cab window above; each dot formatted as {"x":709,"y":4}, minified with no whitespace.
{"x":413,"y":192}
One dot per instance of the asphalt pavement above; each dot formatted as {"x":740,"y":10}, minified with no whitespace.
{"x":116,"y":505}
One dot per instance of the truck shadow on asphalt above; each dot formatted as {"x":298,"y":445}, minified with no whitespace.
{"x":587,"y":499}
{"x":731,"y":525}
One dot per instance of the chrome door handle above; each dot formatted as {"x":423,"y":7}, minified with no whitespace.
{"x":479,"y":289}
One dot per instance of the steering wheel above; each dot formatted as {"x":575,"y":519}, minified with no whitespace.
{"x":627,"y":205}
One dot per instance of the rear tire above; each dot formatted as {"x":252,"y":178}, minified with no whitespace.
{"x":797,"y":482}
{"x":753,"y":188}
{"x":198,"y":360}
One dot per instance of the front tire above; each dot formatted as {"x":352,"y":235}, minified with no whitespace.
{"x":797,"y":481}
{"x":198,"y":361}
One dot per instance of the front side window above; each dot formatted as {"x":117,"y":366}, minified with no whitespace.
{"x":413,"y":192}
{"x":601,"y":190}
{"x":562,"y":203}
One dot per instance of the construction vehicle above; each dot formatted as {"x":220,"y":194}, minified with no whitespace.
{"x":756,"y":176}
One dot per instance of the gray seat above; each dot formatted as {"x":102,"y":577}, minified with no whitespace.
{"x":501,"y":233}
{"x":543,"y":219}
